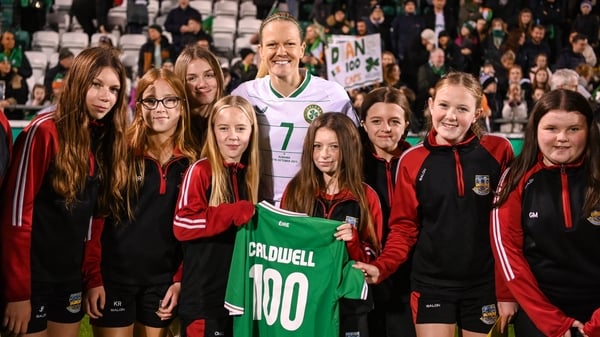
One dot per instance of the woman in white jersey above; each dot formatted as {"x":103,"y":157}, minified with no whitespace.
{"x":286,"y":100}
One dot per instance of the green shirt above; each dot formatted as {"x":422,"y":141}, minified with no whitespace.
{"x":288,"y":274}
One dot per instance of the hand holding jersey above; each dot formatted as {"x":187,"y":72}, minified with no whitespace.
{"x":282,"y":262}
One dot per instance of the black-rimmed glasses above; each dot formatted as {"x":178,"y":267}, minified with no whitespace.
{"x":168,"y":102}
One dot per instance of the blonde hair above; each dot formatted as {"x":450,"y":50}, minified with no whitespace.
{"x":220,"y":192}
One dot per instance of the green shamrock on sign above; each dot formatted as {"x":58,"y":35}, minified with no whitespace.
{"x":371,"y":62}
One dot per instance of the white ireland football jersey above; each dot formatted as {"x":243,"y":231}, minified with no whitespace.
{"x":287,"y":275}
{"x":283,"y":123}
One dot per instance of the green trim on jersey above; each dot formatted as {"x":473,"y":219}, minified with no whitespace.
{"x":287,"y":275}
{"x":296,"y":92}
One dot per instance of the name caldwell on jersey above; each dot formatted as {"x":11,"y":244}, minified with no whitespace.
{"x":283,"y":255}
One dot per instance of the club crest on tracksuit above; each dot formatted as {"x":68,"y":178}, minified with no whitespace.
{"x":482,"y":184}
{"x":594,"y":218}
{"x":74,"y":303}
{"x":489,"y":314}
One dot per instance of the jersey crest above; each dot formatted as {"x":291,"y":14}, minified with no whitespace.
{"x":311,"y":112}
{"x":482,"y":184}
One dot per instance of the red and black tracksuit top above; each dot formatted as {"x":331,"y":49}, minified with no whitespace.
{"x":380,"y":174}
{"x":142,"y":251}
{"x":42,"y":240}
{"x":546,"y":248}
{"x":207,"y":234}
{"x":441,"y":206}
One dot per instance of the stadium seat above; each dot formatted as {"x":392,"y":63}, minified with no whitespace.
{"x":62,"y":5}
{"x":131,"y":44}
{"x":39,"y":64}
{"x":223,"y":43}
{"x":45,"y":40}
{"x":223,"y":61}
{"x":152,"y":11}
{"x":132,"y":41}
{"x":96,"y":38}
{"x":247,"y":9}
{"x":117,"y":16}
{"x":248,"y":26}
{"x":160,"y":20}
{"x":202,"y":6}
{"x":243,"y":42}
{"x":167,"y":5}
{"x":228,"y":8}
{"x":75,"y":41}
{"x":52,"y":59}
{"x":168,"y":35}
{"x":224,"y":24}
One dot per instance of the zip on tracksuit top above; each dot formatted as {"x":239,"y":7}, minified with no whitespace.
{"x":381,"y":175}
{"x":143,"y":251}
{"x":441,"y":206}
{"x":42,"y":241}
{"x":546,"y":249}
{"x":208,"y":236}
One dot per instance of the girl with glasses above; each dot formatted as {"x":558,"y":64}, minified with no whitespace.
{"x":131,"y":261}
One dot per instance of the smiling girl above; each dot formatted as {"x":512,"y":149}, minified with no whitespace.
{"x":131,"y":261}
{"x":384,"y":117}
{"x":218,"y":194}
{"x":68,"y":165}
{"x":329,"y":185}
{"x":201,"y":73}
{"x":546,"y":224}
{"x":441,"y":207}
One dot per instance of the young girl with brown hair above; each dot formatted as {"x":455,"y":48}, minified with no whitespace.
{"x":68,"y":165}
{"x":330,"y":185}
